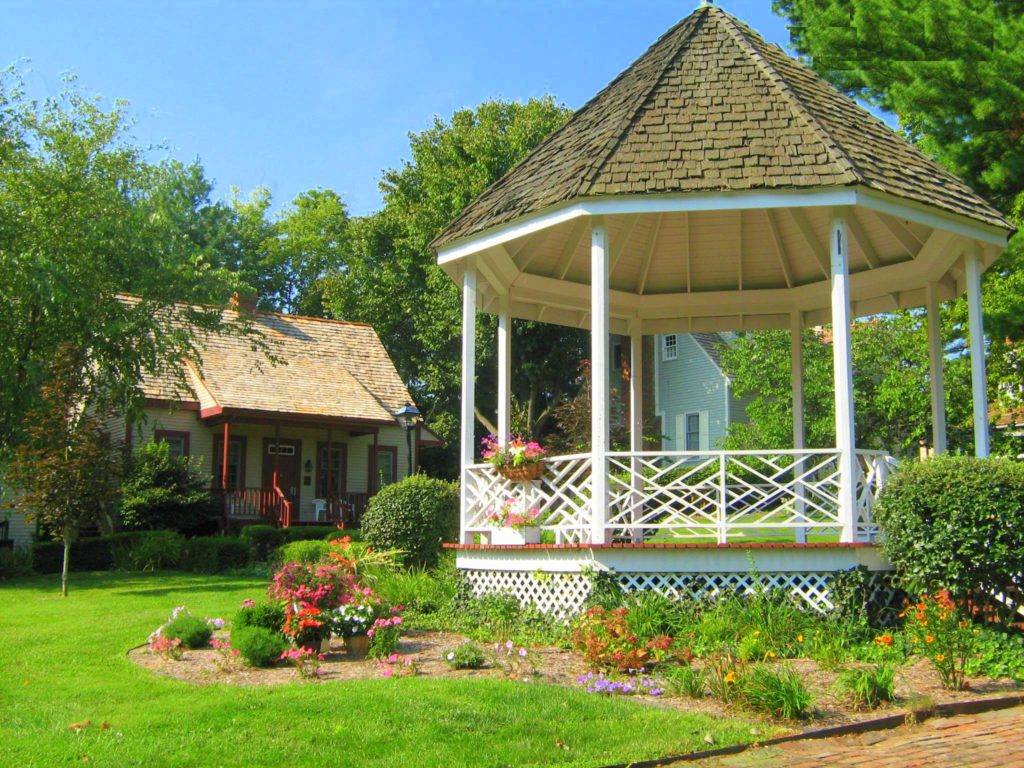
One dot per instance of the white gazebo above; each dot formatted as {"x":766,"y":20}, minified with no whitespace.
{"x":714,"y":185}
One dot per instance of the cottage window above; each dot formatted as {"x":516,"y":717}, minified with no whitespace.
{"x":384,"y":467}
{"x":177,"y":442}
{"x":693,"y":431}
{"x":669,"y":350}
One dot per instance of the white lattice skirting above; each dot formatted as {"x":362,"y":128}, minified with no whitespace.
{"x":563,"y":594}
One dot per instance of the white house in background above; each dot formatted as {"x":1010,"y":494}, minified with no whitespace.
{"x":308,"y":439}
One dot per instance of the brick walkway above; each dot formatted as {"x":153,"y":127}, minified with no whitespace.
{"x":986,"y":740}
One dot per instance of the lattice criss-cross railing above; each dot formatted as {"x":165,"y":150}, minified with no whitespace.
{"x":708,"y":495}
{"x":562,"y":495}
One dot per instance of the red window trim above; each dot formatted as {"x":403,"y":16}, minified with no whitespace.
{"x":185,"y":437}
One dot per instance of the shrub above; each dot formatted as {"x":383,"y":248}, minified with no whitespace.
{"x":91,"y":554}
{"x":268,"y":614}
{"x":467,"y":655}
{"x":955,"y":522}
{"x":311,"y":532}
{"x":213,"y":554}
{"x":16,"y":561}
{"x":165,"y":491}
{"x":777,"y":692}
{"x":867,"y":687}
{"x":501,"y":617}
{"x":263,"y":540}
{"x":384,"y":636}
{"x":414,"y":515}
{"x":607,"y":641}
{"x":193,"y":632}
{"x":308,"y":551}
{"x":259,"y":646}
{"x":418,"y":589}
{"x":147,"y":551}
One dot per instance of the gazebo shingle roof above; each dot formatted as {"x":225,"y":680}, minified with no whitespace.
{"x":712,"y":107}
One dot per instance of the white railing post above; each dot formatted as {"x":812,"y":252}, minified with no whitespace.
{"x":843,"y":375}
{"x":600,"y":414}
{"x":723,"y":531}
{"x":977,"y":333}
{"x":636,"y":431}
{"x":468,"y":415}
{"x":504,"y":370}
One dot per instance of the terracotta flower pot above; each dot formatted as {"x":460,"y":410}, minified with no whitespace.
{"x":357,"y":646}
{"x":526,"y":473}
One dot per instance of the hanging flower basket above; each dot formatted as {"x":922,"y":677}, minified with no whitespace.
{"x":525,"y":473}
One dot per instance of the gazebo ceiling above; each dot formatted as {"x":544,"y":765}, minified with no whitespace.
{"x":717,"y":162}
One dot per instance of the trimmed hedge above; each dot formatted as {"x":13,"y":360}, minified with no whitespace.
{"x":957,"y":523}
{"x":213,"y":554}
{"x":93,"y":554}
{"x":262,"y":540}
{"x":311,"y":532}
{"x":414,"y":515}
{"x":306,"y":551}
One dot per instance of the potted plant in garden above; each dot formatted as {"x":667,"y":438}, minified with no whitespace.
{"x":514,"y":523}
{"x":351,"y":622}
{"x":519,"y":459}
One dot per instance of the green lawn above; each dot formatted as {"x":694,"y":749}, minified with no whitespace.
{"x":63,"y":661}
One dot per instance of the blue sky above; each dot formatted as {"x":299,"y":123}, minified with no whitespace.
{"x":295,"y":95}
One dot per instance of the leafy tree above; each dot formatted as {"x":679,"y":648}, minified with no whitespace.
{"x":164,"y":491}
{"x":952,"y":73}
{"x":65,"y":470}
{"x":394,"y":283}
{"x":84,"y":217}
{"x":892,"y":405}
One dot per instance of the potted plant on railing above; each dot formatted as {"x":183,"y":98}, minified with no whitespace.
{"x":514,"y":523}
{"x":519,"y":459}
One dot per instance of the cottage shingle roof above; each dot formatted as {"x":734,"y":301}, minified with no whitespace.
{"x":323,"y":367}
{"x":712,"y":107}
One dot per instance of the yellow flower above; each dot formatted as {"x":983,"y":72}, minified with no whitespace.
{"x":929,"y":639}
{"x":799,"y":638}
{"x":757,"y":633}
{"x":940,"y":657}
{"x":730,"y":677}
{"x":770,"y":655}
{"x":913,"y":639}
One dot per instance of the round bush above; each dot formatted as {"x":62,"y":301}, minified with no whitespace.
{"x":193,"y":632}
{"x":259,"y":646}
{"x":308,"y":551}
{"x":148,"y":551}
{"x":956,"y":522}
{"x":414,"y":515}
{"x":268,"y":615}
{"x":165,"y":491}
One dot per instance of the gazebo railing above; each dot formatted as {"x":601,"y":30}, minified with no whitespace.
{"x":712,"y":496}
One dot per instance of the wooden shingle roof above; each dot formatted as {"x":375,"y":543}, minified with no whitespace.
{"x":712,"y":107}
{"x":326,"y":368}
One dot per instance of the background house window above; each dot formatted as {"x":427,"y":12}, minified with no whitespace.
{"x":236,"y":462}
{"x":692,"y":432}
{"x":338,"y":470}
{"x":384,"y":467}
{"x":669,"y":350}
{"x":177,"y":442}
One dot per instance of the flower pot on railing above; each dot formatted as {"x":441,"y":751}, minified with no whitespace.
{"x":516,"y":536}
{"x":525,"y":473}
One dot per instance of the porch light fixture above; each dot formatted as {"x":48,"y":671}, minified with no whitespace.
{"x":308,"y":466}
{"x":406,"y":416}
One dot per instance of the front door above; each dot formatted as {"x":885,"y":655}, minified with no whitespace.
{"x":286,"y":456}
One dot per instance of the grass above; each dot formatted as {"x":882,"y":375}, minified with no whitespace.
{"x":63,"y":661}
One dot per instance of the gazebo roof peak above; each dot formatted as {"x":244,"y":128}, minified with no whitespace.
{"x":711,"y":107}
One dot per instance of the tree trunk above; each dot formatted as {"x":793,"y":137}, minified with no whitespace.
{"x":64,"y":569}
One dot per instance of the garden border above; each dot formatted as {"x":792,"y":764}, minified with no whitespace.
{"x":889,"y":722}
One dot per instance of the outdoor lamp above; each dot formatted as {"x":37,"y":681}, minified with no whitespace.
{"x":406,"y":416}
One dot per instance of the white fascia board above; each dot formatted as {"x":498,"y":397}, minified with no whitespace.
{"x":930,"y":216}
{"x":512,"y":231}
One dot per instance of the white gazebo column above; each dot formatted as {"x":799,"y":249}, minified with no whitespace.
{"x":504,"y":370}
{"x":936,"y":376}
{"x":636,"y":423}
{"x":600,"y":414}
{"x":979,"y":388}
{"x":796,"y":384}
{"x":843,"y":376}
{"x":468,"y":415}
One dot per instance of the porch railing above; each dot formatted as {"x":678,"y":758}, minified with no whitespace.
{"x":713,"y":496}
{"x":270,"y":506}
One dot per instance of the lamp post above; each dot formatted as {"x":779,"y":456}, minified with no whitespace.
{"x":406,"y":416}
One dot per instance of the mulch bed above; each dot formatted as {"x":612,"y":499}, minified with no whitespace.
{"x":917,"y":685}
